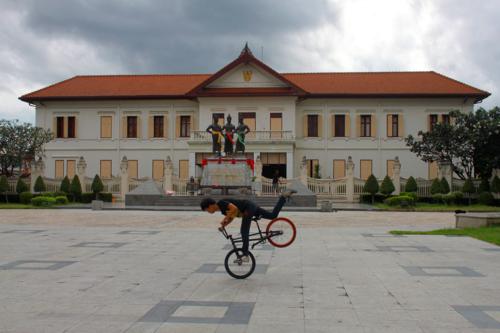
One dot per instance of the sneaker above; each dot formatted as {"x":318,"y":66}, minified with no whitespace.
{"x":288,"y":193}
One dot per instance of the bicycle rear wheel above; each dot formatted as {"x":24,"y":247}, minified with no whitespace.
{"x":281,"y":232}
{"x":236,"y":267}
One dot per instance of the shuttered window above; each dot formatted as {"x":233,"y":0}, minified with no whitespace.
{"x":339,"y":125}
{"x":133,"y":169}
{"x":60,"y":127}
{"x":312,"y":125}
{"x":390,"y":168}
{"x":433,"y":120}
{"x":183,"y":169}
{"x":158,"y":125}
{"x":70,"y":168}
{"x":276,"y":125}
{"x":185,"y":126}
{"x":219,"y":118}
{"x":106,"y":127}
{"x":366,"y":125}
{"x":338,"y":169}
{"x":59,"y":169}
{"x":105,"y":169}
{"x":249,"y":119}
{"x":132,"y":127}
{"x":365,"y":169}
{"x":311,"y":167}
{"x":158,"y":166}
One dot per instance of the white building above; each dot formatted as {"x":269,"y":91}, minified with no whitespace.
{"x":325,"y":117}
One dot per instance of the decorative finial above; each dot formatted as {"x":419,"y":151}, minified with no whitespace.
{"x":246,"y":50}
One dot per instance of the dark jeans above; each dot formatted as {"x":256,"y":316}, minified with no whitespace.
{"x":255,"y":210}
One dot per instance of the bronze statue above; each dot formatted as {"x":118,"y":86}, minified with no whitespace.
{"x":228,"y":136}
{"x":216,"y":132}
{"x":241,"y":131}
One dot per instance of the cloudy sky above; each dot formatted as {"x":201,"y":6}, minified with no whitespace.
{"x":46,"y":41}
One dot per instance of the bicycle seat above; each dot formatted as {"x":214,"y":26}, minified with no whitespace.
{"x":256,"y":218}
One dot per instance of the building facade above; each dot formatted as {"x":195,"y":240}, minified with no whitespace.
{"x":324,"y":117}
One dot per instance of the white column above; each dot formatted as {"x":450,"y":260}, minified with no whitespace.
{"x":350,"y":180}
{"x":192,"y":164}
{"x":289,"y":165}
{"x":303,"y":171}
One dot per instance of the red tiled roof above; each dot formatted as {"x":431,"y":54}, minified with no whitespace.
{"x":370,"y":84}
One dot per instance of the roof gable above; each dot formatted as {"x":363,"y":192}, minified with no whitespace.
{"x":239,"y":74}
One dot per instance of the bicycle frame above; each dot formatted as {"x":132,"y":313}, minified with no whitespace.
{"x":260,"y":239}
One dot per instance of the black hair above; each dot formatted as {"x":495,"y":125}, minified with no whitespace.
{"x":206,"y":202}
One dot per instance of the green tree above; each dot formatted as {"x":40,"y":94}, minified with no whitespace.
{"x":371,"y":186}
{"x":97,"y":186}
{"x":411,"y":185}
{"x":445,"y":187}
{"x":484,"y":186}
{"x":4,"y":187}
{"x":39,"y":185}
{"x":495,"y":185}
{"x":469,"y":189}
{"x":316,"y":173}
{"x":65,"y":185}
{"x":20,"y":143}
{"x":436,"y":186}
{"x":470,"y":145}
{"x":21,"y":186}
{"x":76,"y":188}
{"x":387,"y":187}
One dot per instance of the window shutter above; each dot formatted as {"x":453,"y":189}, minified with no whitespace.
{"x":347,"y":125}
{"x":151,"y":127}
{"x":389,"y":125}
{"x":192,"y":124}
{"x":165,"y":127}
{"x":304,"y":126}
{"x":76,"y":127}
{"x":124,"y":127}
{"x":374,"y":126}
{"x":358,"y":125}
{"x":54,"y":126}
{"x":332,"y":124}
{"x":65,"y":135}
{"x":139,"y":127}
{"x":177,"y":126}
{"x":320,"y":125}
{"x":401,"y":126}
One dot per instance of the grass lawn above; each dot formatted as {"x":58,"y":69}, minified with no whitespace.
{"x":487,"y":234}
{"x":428,"y":207}
{"x":15,"y":206}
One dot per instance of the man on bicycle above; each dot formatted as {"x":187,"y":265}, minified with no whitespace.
{"x":245,"y":209}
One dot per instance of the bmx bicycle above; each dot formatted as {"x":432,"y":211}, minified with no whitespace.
{"x":280,"y":232}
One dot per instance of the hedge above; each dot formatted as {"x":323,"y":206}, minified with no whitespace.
{"x":400,"y":200}
{"x":25,"y":198}
{"x":43,"y":201}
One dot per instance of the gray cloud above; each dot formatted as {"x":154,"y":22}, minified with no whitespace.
{"x":43,"y":42}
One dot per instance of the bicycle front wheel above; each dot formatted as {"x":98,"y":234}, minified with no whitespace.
{"x":238,"y":268}
{"x":281,"y":232}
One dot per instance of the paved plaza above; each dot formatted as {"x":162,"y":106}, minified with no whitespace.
{"x":128,"y":271}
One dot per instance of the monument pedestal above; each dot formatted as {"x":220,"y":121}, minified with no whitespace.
{"x":227,"y":173}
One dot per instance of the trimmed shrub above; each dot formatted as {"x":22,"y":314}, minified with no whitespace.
{"x":39,"y":185}
{"x":87,"y":197}
{"x":410,"y":194}
{"x":97,"y":186}
{"x":367,"y":198}
{"x":400,"y":200}
{"x":411,"y":185}
{"x":106,"y":197}
{"x":4,"y":187}
{"x":25,"y":198}
{"x":445,"y":187}
{"x":436,"y":186}
{"x":48,"y":194}
{"x":437,"y":198}
{"x":61,"y":200}
{"x":387,"y":187}
{"x":21,"y":186}
{"x":371,"y":186}
{"x":65,"y":185}
{"x":486,"y":198}
{"x":495,"y":184}
{"x":43,"y":201}
{"x":484,"y":186}
{"x":469,"y":189}
{"x":75,"y":188}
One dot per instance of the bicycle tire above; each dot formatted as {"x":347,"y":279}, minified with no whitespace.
{"x":287,"y":223}
{"x":228,"y":264}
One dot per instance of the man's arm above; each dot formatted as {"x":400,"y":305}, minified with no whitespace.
{"x":231,"y":213}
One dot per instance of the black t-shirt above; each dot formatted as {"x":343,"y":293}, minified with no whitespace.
{"x":242,"y":205}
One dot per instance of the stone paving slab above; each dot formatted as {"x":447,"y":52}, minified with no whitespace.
{"x":336,"y":277}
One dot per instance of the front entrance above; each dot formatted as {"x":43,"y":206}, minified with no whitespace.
{"x":272,"y":162}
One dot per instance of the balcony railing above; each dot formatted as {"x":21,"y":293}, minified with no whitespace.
{"x":255,"y":136}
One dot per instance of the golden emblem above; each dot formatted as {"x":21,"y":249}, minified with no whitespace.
{"x":247,"y":75}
